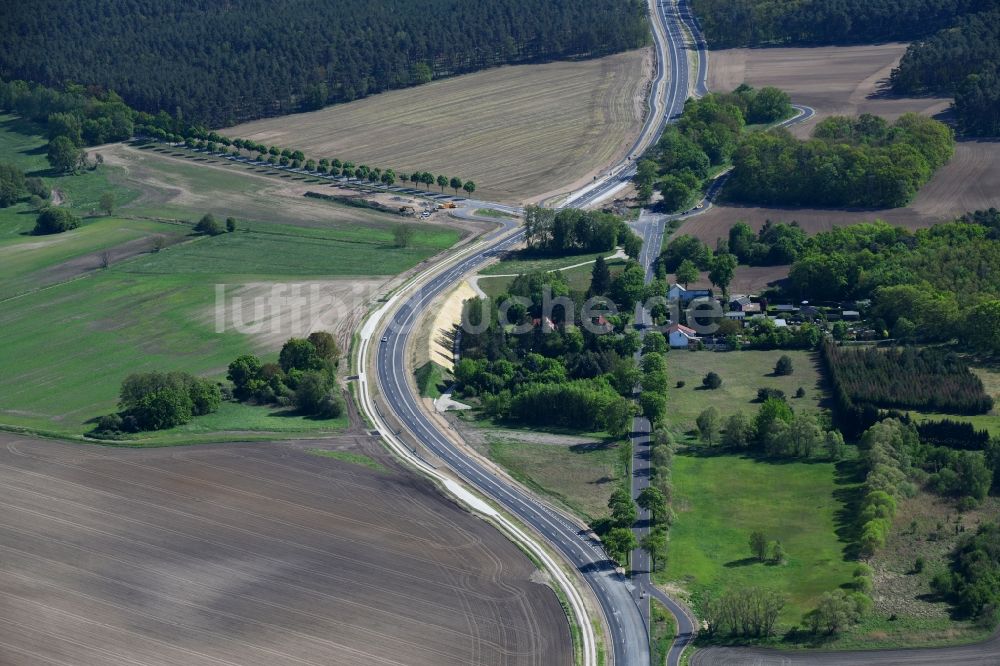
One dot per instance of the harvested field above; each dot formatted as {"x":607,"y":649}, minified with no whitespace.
{"x":518,"y":132}
{"x":254,"y":554}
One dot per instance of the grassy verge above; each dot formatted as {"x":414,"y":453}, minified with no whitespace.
{"x":430,"y":379}
{"x":350,"y":457}
{"x":527,"y":262}
{"x":662,"y":630}
{"x":490,"y":212}
{"x":580,"y":477}
{"x":721,"y":499}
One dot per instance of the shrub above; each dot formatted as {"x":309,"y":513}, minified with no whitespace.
{"x":157,"y":401}
{"x":208,"y":225}
{"x":711,"y":381}
{"x":765,"y":393}
{"x":783,"y":366}
{"x":55,"y":221}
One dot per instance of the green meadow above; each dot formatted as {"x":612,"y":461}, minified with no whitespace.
{"x":71,"y":328}
{"x":721,"y":499}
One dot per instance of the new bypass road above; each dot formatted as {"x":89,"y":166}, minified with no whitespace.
{"x":671,"y":24}
{"x":615,"y":594}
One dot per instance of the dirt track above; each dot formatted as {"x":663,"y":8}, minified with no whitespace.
{"x":253,"y":554}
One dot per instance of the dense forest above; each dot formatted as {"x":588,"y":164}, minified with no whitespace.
{"x":963,"y":61}
{"x":691,"y":151}
{"x":219,"y":63}
{"x":728,"y":23}
{"x":849,"y":162}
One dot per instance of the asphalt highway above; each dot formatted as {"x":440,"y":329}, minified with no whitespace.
{"x":615,"y":594}
{"x":579,"y":547}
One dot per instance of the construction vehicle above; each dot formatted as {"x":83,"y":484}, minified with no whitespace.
{"x":447,"y":204}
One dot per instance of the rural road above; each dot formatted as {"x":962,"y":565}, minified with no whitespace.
{"x":651,"y":228}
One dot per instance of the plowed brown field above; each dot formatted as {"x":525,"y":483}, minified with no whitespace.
{"x":253,"y":554}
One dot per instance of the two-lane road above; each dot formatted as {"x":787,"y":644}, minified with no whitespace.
{"x":578,"y":547}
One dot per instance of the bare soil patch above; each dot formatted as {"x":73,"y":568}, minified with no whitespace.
{"x":746,"y":280}
{"x":517,"y":131}
{"x":272,"y":312}
{"x":254,"y":554}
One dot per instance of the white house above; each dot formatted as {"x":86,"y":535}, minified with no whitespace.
{"x":680,"y":336}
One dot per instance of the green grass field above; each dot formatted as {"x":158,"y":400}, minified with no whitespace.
{"x":742,"y":372}
{"x":578,"y":277}
{"x":22,"y":143}
{"x":580,"y":477}
{"x":66,"y":348}
{"x":257,"y":248}
{"x":70,"y":331}
{"x":720,"y":500}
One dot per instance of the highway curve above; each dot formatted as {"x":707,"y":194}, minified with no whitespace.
{"x":614,"y":593}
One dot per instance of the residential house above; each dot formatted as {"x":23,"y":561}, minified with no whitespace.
{"x":685,"y":296}
{"x":680,"y":336}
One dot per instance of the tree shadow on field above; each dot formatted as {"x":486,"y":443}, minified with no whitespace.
{"x":848,"y":476}
{"x":745,"y":562}
{"x":590,"y":447}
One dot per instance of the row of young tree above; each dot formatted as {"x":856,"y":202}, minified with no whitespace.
{"x":76,"y":117}
{"x":929,"y":379}
{"x":200,"y":139}
{"x":616,"y":532}
{"x":220,"y":64}
{"x":961,"y":61}
{"x":703,"y":139}
{"x":763,"y":22}
{"x":849,"y":162}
